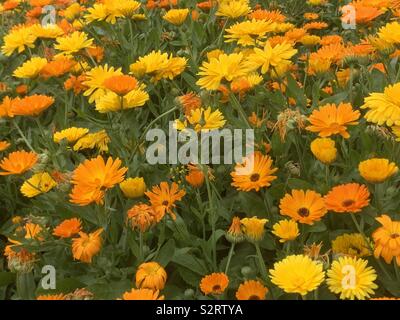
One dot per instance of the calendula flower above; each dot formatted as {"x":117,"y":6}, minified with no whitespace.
{"x":68,"y":228}
{"x":253,"y":228}
{"x":215,"y":283}
{"x":6,"y":108}
{"x":202,"y":119}
{"x":111,"y":102}
{"x":141,"y":216}
{"x":31,"y":105}
{"x":377,"y":170}
{"x":353,"y":245}
{"x":233,"y":9}
{"x":351,"y":278}
{"x":133,"y":187}
{"x":73,"y":11}
{"x":48,"y":31}
{"x":304,"y":207}
{"x":387,"y":239}
{"x":189,"y":102}
{"x":255,"y":172}
{"x":33,"y":231}
{"x":297,"y":274}
{"x":249,"y":32}
{"x":59,"y":296}
{"x":350,"y":197}
{"x":176,"y":16}
{"x":390,"y":33}
{"x":30,"y":69}
{"x":38,"y":184}
{"x":71,"y":135}
{"x":128,"y":8}
{"x":18,"y":162}
{"x":324,"y":150}
{"x":271,"y":57}
{"x":73,"y":43}
{"x":87,"y":246}
{"x":58,"y":67}
{"x":235,"y":233}
{"x":150,"y":275}
{"x":121,"y":85}
{"x":18,"y":39}
{"x":195,"y":176}
{"x":251,"y":290}
{"x":4,"y":145}
{"x":97,"y":140}
{"x":286,"y":230}
{"x":163,"y":198}
{"x":226,"y":67}
{"x":142,"y":294}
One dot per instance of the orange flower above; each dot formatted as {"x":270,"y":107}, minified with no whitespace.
{"x":189,"y":102}
{"x":214,"y":283}
{"x":121,"y":85}
{"x":151,"y":275}
{"x":141,"y":216}
{"x":331,"y":119}
{"x":350,"y":197}
{"x":57,"y":67}
{"x":315,"y":25}
{"x":4,"y":145}
{"x":68,"y":228}
{"x":142,"y":294}
{"x":31,"y":105}
{"x":86,"y":246}
{"x":195,"y":177}
{"x":163,"y":198}
{"x":18,"y":162}
{"x":304,"y":207}
{"x":96,"y":53}
{"x":235,"y":233}
{"x":5,"y":108}
{"x":251,"y":290}
{"x":387,"y":239}
{"x":10,"y":4}
{"x":22,"y":89}
{"x":59,"y":296}
{"x":261,"y":14}
{"x":76,"y":84}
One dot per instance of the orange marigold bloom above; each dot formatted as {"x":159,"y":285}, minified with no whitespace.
{"x":59,"y":296}
{"x":195,"y":177}
{"x":31,"y":105}
{"x":76,"y":84}
{"x":86,"y":246}
{"x":22,"y":89}
{"x":34,"y":13}
{"x":254,"y":173}
{"x":189,"y":102}
{"x":96,"y":53}
{"x":206,"y":5}
{"x":57,"y":68}
{"x":4,"y":145}
{"x":251,"y":290}
{"x":18,"y":162}
{"x":214,"y":283}
{"x":141,"y":216}
{"x":350,"y":197}
{"x":331,"y":119}
{"x":163,"y":198}
{"x":304,"y":207}
{"x":5,"y":108}
{"x":261,"y":14}
{"x":150,"y":275}
{"x":235,"y":233}
{"x":142,"y":294}
{"x":10,"y":4}
{"x":68,"y":228}
{"x":121,"y":85}
{"x":315,"y":25}
{"x":387,"y":239}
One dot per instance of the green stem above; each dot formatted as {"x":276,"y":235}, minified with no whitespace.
{"x":23,"y":136}
{"x":213,"y":217}
{"x":263,"y":268}
{"x":229,"y":257}
{"x":141,"y":255}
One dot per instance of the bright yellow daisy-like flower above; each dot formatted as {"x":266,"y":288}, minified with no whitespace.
{"x":253,"y":228}
{"x":384,"y":108}
{"x":133,"y":187}
{"x":73,"y":11}
{"x":71,"y":134}
{"x":297,"y":274}
{"x":18,"y":39}
{"x":226,"y":67}
{"x":233,"y":8}
{"x":249,"y":32}
{"x":176,"y":16}
{"x":112,"y":102}
{"x":106,"y":11}
{"x":351,"y":278}
{"x":377,"y":170}
{"x":38,"y":184}
{"x":286,"y":230}
{"x":49,"y":31}
{"x":202,"y":119}
{"x":73,"y":43}
{"x":128,"y":8}
{"x":390,"y":33}
{"x":97,"y":140}
{"x":324,"y":150}
{"x":31,"y":68}
{"x":352,"y":245}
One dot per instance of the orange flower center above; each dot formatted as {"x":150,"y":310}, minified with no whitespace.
{"x":304,"y":212}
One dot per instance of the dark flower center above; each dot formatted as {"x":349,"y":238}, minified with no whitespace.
{"x":347,"y":203}
{"x":304,"y":212}
{"x":254,"y":177}
{"x":216,"y":288}
{"x":394,"y":235}
{"x":165,"y":203}
{"x":254,"y":297}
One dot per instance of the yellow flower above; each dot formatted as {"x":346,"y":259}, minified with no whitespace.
{"x":352,"y":278}
{"x":174,"y":67}
{"x":377,"y":170}
{"x":71,"y":134}
{"x":18,"y":39}
{"x":38,"y":184}
{"x":202,"y":119}
{"x":226,"y":67}
{"x":31,"y":68}
{"x":49,"y":31}
{"x":33,"y":231}
{"x":249,"y":32}
{"x":297,"y":274}
{"x":233,"y":8}
{"x":97,"y":140}
{"x":310,"y":40}
{"x":324,"y":150}
{"x":352,"y":245}
{"x":390,"y":33}
{"x":176,"y":16}
{"x":286,"y":230}
{"x":127,"y":8}
{"x":103,"y":11}
{"x":73,"y":11}
{"x":73,"y":43}
{"x":112,"y":102}
{"x":133,"y":187}
{"x":253,"y":228}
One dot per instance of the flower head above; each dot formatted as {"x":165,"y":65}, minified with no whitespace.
{"x":38,"y":184}
{"x":324,"y":150}
{"x":71,"y":135}
{"x":18,"y":39}
{"x":18,"y":162}
{"x":141,"y":216}
{"x":377,"y":170}
{"x":235,"y":233}
{"x":73,"y":43}
{"x":387,"y":239}
{"x":68,"y":228}
{"x":352,"y":245}
{"x":350,"y":197}
{"x":253,"y":228}
{"x":31,"y":105}
{"x":176,"y":16}
{"x":214,"y":283}
{"x":151,"y":275}
{"x":133,"y":187}
{"x":31,"y":68}
{"x":251,"y":290}
{"x":286,"y":230}
{"x":87,"y":246}
{"x":142,"y":294}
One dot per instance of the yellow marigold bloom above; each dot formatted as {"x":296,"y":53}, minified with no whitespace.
{"x":253,"y":228}
{"x":226,"y":67}
{"x":176,"y":16}
{"x":316,"y":2}
{"x":73,"y":11}
{"x":271,"y":56}
{"x":49,"y":31}
{"x":377,"y":170}
{"x":351,"y":278}
{"x":4,"y":145}
{"x":249,"y":32}
{"x":18,"y":39}
{"x":251,"y":290}
{"x":38,"y":184}
{"x":95,"y":81}
{"x":150,"y":275}
{"x":174,"y":67}
{"x":128,"y":8}
{"x":304,"y":207}
{"x":387,"y":239}
{"x":73,"y":43}
{"x":390,"y":33}
{"x":110,"y":101}
{"x":33,"y":231}
{"x":235,"y":233}
{"x":331,"y":119}
{"x":18,"y":162}
{"x":286,"y":230}
{"x":233,"y":8}
{"x":324,"y":150}
{"x":352,"y":245}
{"x":31,"y":68}
{"x":71,"y":134}
{"x":310,"y":40}
{"x":297,"y":274}
{"x":384,"y":108}
{"x":141,"y":216}
{"x":142,"y":294}
{"x":87,"y":246}
{"x":215,"y":283}
{"x":133,"y":187}
{"x":99,"y":140}
{"x":105,"y":11}
{"x":202,"y":119}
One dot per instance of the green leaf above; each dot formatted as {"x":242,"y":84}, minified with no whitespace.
{"x":6,"y":278}
{"x":166,"y":253}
